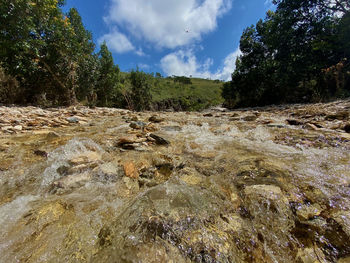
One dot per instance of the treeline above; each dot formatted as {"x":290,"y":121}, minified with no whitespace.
{"x":48,"y":58}
{"x":299,"y":53}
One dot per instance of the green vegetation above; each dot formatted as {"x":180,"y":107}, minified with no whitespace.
{"x":48,"y":58}
{"x":299,"y":53}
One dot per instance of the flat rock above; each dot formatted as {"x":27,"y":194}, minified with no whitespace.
{"x":130,"y":170}
{"x":156,"y":119}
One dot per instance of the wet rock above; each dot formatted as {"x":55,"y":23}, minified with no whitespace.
{"x":137,"y":125}
{"x":294,"y":122}
{"x":88,"y":157}
{"x":347,"y":128}
{"x":276,"y":125}
{"x":172,"y":128}
{"x":41,"y":153}
{"x":344,"y":260}
{"x":342,"y":115}
{"x":310,"y":126}
{"x":73,"y":119}
{"x":130,"y":170}
{"x":159,"y":140}
{"x":52,"y":135}
{"x":311,"y":255}
{"x":18,"y":128}
{"x":156,"y":119}
{"x":250,"y":118}
{"x":72,"y":181}
{"x":306,"y":212}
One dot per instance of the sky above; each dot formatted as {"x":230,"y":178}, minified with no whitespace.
{"x":198,"y":38}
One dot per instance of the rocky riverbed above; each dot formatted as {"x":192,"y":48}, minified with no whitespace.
{"x":108,"y":185}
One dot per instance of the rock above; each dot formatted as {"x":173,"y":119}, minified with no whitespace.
{"x":347,"y":128}
{"x":72,"y":181}
{"x":84,"y":158}
{"x":156,"y":119}
{"x":137,"y":125}
{"x":52,"y":135}
{"x":294,"y":122}
{"x":250,"y":118}
{"x":41,"y":153}
{"x":306,"y":212}
{"x":108,"y":172}
{"x":130,"y":140}
{"x":276,"y":125}
{"x":342,"y":115}
{"x":344,"y":260}
{"x":310,"y":126}
{"x":311,"y":255}
{"x":159,"y":140}
{"x":172,"y":128}
{"x":208,"y":115}
{"x":18,"y":127}
{"x":6,"y":128}
{"x":73,"y":119}
{"x":130,"y":170}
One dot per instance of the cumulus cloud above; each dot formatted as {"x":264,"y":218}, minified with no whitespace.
{"x":117,"y":42}
{"x":167,"y":23}
{"x":184,"y":63}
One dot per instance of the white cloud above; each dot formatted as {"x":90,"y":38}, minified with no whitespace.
{"x":184,"y":63}
{"x":167,"y":23}
{"x":117,"y":42}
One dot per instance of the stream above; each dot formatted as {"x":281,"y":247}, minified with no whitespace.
{"x":252,"y":185}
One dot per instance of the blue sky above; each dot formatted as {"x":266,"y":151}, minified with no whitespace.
{"x":173,"y":37}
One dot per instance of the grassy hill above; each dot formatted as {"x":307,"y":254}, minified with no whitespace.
{"x":184,"y":94}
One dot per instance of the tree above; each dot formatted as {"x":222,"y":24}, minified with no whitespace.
{"x":285,"y":55}
{"x":88,"y":69}
{"x":107,"y":84}
{"x":36,"y":47}
{"x":140,"y":90}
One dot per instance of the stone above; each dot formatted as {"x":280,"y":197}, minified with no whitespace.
{"x":342,"y":115}
{"x":73,"y":119}
{"x":208,"y":115}
{"x":6,"y":128}
{"x":84,"y":158}
{"x":250,"y":118}
{"x":52,"y":135}
{"x":310,"y":126}
{"x":159,"y":140}
{"x":72,"y":181}
{"x":276,"y":125}
{"x":294,"y":122}
{"x":156,"y":119}
{"x":130,"y":170}
{"x":306,"y":212}
{"x":130,"y":140}
{"x":41,"y":153}
{"x":311,"y":255}
{"x":347,"y":128}
{"x":344,"y":260}
{"x":137,"y":125}
{"x":18,"y":128}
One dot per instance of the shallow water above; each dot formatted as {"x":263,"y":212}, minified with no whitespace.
{"x":222,"y":191}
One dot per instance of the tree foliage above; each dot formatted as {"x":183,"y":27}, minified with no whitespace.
{"x":300,"y":52}
{"x":140,"y":90}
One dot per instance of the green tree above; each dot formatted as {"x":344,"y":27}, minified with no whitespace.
{"x":140,"y":90}
{"x":88,"y":68}
{"x":285,"y":55}
{"x":107,"y":84}
{"x":36,"y":47}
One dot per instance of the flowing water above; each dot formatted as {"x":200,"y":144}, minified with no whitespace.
{"x":223,"y":190}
